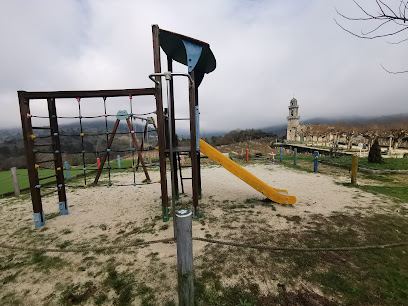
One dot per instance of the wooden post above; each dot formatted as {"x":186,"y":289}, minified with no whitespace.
{"x":247,"y":155}
{"x":15,"y":181}
{"x":185,"y":257}
{"x":107,"y":150}
{"x":160,"y":123}
{"x":316,"y":161}
{"x":118,"y":161}
{"x":354,"y":170}
{"x":58,"y":165}
{"x":294,"y":155}
{"x":139,"y":152}
{"x":280,"y":153}
{"x":28,"y":138}
{"x":67,"y":174}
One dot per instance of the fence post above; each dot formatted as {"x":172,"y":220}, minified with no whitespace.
{"x":316,"y":160}
{"x":15,"y":181}
{"x":185,"y":257}
{"x":280,"y":153}
{"x":118,"y":161}
{"x":247,"y":155}
{"x":294,"y":155}
{"x":354,"y":169}
{"x":67,"y":174}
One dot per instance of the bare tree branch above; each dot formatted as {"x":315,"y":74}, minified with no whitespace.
{"x":391,"y":20}
{"x":393,"y":72}
{"x":385,"y":22}
{"x":398,"y":42}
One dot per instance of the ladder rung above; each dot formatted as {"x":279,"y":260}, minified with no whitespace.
{"x":41,"y":128}
{"x":46,"y":161}
{"x":179,"y":149}
{"x":43,"y":144}
{"x":46,"y":177}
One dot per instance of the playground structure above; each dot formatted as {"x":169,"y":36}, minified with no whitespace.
{"x":199,"y":59}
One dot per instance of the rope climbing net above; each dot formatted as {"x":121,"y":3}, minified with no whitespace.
{"x":133,"y":150}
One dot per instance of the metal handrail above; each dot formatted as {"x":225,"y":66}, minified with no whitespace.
{"x":168,"y":76}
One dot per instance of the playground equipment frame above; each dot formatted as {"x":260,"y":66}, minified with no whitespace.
{"x":205,"y":62}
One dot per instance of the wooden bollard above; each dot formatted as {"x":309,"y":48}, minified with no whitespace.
{"x":15,"y":181}
{"x":316,"y":161}
{"x":247,"y":155}
{"x":294,"y":155}
{"x":354,"y":169}
{"x":184,"y":219}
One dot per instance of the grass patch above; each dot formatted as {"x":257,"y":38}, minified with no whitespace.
{"x":122,"y":284}
{"x":44,"y":263}
{"x":399,"y":192}
{"x":374,"y":277}
{"x":387,"y":164}
{"x":76,"y":294}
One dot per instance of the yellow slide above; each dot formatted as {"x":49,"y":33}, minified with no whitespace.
{"x":277,"y":195}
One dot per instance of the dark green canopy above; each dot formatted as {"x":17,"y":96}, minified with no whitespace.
{"x":193,"y":53}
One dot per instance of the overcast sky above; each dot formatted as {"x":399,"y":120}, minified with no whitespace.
{"x":266,"y":51}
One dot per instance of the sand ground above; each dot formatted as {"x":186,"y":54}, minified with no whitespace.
{"x":116,"y":215}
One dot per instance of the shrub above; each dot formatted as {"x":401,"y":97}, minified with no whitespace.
{"x":374,"y":156}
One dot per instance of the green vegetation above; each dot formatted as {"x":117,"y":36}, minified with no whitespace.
{"x":374,"y":156}
{"x":76,"y":294}
{"x":399,"y":192}
{"x":239,"y":136}
{"x":6,"y":185}
{"x":374,"y":277}
{"x":386,"y":164}
{"x":44,"y":263}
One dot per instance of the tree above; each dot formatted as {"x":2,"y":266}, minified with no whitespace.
{"x":384,"y":20}
{"x":374,"y":156}
{"x":349,"y":132}
{"x":397,"y":131}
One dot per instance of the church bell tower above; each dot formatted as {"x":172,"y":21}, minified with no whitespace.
{"x":293,"y":121}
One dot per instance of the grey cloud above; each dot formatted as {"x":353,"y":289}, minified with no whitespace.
{"x":266,"y":52}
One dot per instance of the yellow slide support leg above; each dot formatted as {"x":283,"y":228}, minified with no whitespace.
{"x":277,"y":195}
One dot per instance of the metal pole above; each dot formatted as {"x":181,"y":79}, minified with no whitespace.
{"x":280,"y":153}
{"x":67,"y":174}
{"x":185,"y":257}
{"x":316,"y":160}
{"x":15,"y":181}
{"x":119,"y":161}
{"x":354,"y":169}
{"x":247,"y":155}
{"x":171,"y":155}
{"x":294,"y":155}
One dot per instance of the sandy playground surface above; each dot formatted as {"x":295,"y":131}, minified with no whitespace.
{"x":106,"y":216}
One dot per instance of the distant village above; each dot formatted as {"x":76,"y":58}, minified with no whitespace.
{"x":393,"y":137}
